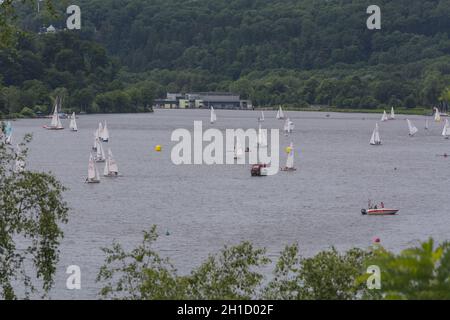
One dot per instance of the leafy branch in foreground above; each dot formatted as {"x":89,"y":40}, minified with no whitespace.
{"x":31,"y":211}
{"x":418,"y":273}
{"x":234,"y":273}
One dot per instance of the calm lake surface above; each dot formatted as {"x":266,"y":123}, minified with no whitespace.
{"x":207,"y":207}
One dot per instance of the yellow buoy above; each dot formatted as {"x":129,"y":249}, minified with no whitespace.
{"x":158,"y":148}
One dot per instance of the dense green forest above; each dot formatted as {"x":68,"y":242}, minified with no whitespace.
{"x":290,"y":52}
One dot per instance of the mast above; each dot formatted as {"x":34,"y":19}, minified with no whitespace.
{"x":290,"y":158}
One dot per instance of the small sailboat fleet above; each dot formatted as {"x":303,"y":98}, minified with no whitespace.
{"x":280,"y":114}
{"x":213,"y":116}
{"x":101,"y":134}
{"x":73,"y":123}
{"x":446,"y":130}
{"x":412,"y":128}
{"x":375,"y":140}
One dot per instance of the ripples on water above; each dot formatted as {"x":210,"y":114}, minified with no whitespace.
{"x":206,"y":207}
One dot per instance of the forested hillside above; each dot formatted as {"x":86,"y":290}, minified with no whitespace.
{"x":274,"y":52}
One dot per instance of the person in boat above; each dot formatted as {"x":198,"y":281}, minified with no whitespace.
{"x":382,"y":204}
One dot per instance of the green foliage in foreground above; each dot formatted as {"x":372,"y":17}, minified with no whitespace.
{"x":235,"y":273}
{"x":31,"y":212}
{"x":418,"y":273}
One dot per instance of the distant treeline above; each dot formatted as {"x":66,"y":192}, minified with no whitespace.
{"x":287,"y":52}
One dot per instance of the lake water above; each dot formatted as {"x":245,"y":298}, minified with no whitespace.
{"x":207,"y":207}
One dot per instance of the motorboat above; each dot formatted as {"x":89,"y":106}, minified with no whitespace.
{"x":259,"y":170}
{"x":379,"y":212}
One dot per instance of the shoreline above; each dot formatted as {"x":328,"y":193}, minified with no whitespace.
{"x":416,"y":112}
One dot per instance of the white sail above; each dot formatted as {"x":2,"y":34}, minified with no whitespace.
{"x":426,"y":125}
{"x":113,"y":168}
{"x":105,"y":133}
{"x":100,"y":130}
{"x":213,"y":116}
{"x":55,"y":117}
{"x":412,"y":128}
{"x":446,"y":129}
{"x":375,"y":139}
{"x":100,"y":152}
{"x":280,"y":114}
{"x":262,"y":115}
{"x":384,"y":117}
{"x":238,"y":150}
{"x":290,"y":158}
{"x":106,"y":170}
{"x":437,"y":115}
{"x":56,"y":121}
{"x":262,"y":137}
{"x":286,"y":126}
{"x":92,"y":170}
{"x":392,"y":116}
{"x":73,"y":123}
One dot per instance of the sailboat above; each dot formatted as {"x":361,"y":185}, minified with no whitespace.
{"x":437,"y":115}
{"x":238,"y":150}
{"x":375,"y":140}
{"x":104,"y":134}
{"x":8,"y":133}
{"x":55,"y":124}
{"x":426,"y":125}
{"x":288,"y":126}
{"x":213,"y":116}
{"x":392,"y":115}
{"x":262,"y":138}
{"x":412,"y":128}
{"x":280,"y":114}
{"x":290,"y":159}
{"x":73,"y":123}
{"x":446,"y":130}
{"x":262,"y":116}
{"x":93,"y":175}
{"x":384,"y":117}
{"x":100,"y":154}
{"x":19,"y":165}
{"x":96,"y":138}
{"x":111,"y":169}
